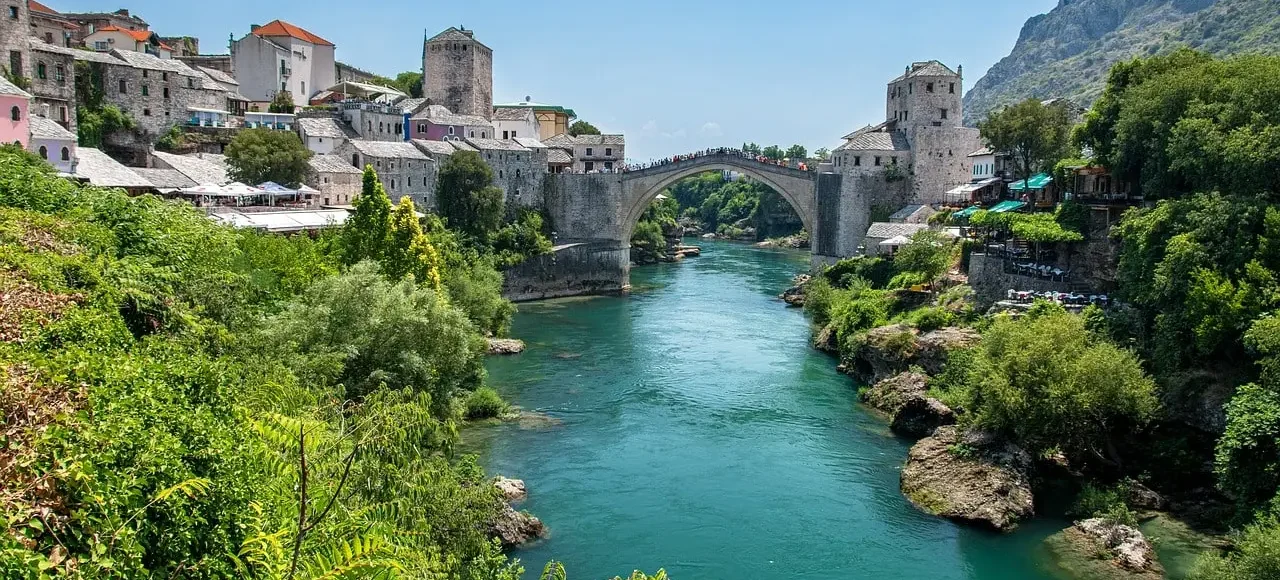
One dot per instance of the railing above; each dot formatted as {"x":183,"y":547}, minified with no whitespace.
{"x":736,"y":155}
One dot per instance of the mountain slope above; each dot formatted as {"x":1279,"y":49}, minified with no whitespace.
{"x":1067,"y":52}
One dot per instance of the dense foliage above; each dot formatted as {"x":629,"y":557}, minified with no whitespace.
{"x":282,"y":103}
{"x":260,"y":155}
{"x":582,"y":128}
{"x":1032,"y":134}
{"x":726,"y":207}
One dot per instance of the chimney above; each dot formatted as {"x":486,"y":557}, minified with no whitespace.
{"x":123,"y":12}
{"x":960,"y":71}
{"x":254,"y":27}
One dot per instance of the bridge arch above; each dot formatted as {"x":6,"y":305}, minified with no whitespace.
{"x":642,"y":187}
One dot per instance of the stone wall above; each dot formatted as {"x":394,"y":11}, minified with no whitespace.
{"x":375,"y":125}
{"x":572,"y":270}
{"x":518,"y":174}
{"x":57,"y":91}
{"x":585,"y":207}
{"x":154,"y":113}
{"x":337,"y":188}
{"x":860,"y":192}
{"x":14,"y":37}
{"x":414,"y":178}
{"x":991,"y":283}
{"x":459,"y":79}
{"x":940,"y":160}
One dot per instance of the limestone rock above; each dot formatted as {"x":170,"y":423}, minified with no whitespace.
{"x":794,"y":296}
{"x":708,"y":236}
{"x":505,"y":346}
{"x":512,"y":489}
{"x":974,"y":479}
{"x":934,"y":346}
{"x":515,"y":528}
{"x":825,"y":340}
{"x":1127,"y":545}
{"x":893,"y":393}
{"x":886,"y":351}
{"x":921,"y":416}
{"x":1143,"y":498}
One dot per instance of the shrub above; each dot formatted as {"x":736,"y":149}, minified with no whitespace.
{"x":484,"y":403}
{"x":933,"y":318}
{"x":876,"y":271}
{"x":1108,"y":503}
{"x":1256,"y":556}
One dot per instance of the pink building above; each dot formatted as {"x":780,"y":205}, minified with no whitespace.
{"x":15,"y":103}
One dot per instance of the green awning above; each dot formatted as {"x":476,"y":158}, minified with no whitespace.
{"x":1037,"y":181}
{"x":1005,"y":206}
{"x":966,"y":212}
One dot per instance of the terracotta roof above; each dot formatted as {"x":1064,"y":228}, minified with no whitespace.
{"x":103,"y":171}
{"x":282,"y":28}
{"x":138,"y":35}
{"x":331,"y":164}
{"x":46,"y":128}
{"x":34,"y":6}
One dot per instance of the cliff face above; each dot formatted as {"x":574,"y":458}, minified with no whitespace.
{"x":1067,"y":52}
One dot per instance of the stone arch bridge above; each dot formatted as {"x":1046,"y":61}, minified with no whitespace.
{"x":594,"y":215}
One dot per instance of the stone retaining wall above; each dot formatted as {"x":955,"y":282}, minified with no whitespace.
{"x":594,"y":267}
{"x":991,"y":283}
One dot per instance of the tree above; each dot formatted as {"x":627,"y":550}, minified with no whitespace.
{"x":582,"y":128}
{"x":1031,"y":133}
{"x":410,"y":83}
{"x":366,"y":235}
{"x":822,"y":154}
{"x":928,"y":254}
{"x":409,"y":252}
{"x":797,"y":152}
{"x":468,"y":199}
{"x":282,"y":103}
{"x":94,"y":125}
{"x":751,"y":148}
{"x":774,"y":152}
{"x":260,"y":155}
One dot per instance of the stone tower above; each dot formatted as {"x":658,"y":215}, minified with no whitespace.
{"x":928,"y":94}
{"x":15,"y":32}
{"x":457,"y":72}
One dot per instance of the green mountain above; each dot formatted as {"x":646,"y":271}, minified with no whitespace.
{"x":1067,"y":52}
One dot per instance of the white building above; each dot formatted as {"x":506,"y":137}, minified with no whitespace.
{"x":514,"y":123}
{"x":110,"y":38}
{"x":279,"y":56}
{"x":324,"y":134}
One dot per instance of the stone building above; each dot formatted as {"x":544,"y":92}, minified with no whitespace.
{"x":916,"y":155}
{"x":591,"y":153}
{"x":344,"y":72}
{"x":339,"y":182}
{"x":221,"y":62}
{"x":101,"y":170}
{"x":279,"y":56}
{"x":403,"y":169}
{"x":237,"y":103}
{"x":89,"y":22}
{"x":200,"y":168}
{"x":457,"y":72}
{"x":187,"y":46}
{"x":108,"y":38}
{"x":54,"y":82}
{"x":15,"y":30}
{"x":50,"y":26}
{"x":517,"y":170}
{"x":324,"y":134}
{"x":15,"y":108}
{"x":158,"y":93}
{"x":53,"y":143}
{"x":374,"y":121}
{"x":438,"y":123}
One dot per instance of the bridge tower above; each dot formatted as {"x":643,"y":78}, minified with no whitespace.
{"x":457,"y":72}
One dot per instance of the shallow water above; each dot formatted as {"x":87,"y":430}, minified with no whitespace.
{"x":701,"y":434}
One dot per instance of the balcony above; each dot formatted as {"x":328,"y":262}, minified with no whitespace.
{"x":285,"y":71}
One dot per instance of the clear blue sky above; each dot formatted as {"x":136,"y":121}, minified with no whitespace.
{"x":674,"y":76}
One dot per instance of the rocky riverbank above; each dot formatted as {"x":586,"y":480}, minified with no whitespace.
{"x":798,"y":241}
{"x":514,"y":528}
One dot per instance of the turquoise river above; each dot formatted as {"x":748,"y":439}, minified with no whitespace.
{"x":695,"y":430}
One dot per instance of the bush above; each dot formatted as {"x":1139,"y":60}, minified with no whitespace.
{"x":1108,"y":503}
{"x":818,"y":297}
{"x":876,"y":271}
{"x":932,"y":318}
{"x":485,"y":403}
{"x":1256,"y":556}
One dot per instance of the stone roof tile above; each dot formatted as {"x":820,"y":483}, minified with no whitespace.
{"x":103,"y":171}
{"x":165,"y":178}
{"x":388,"y":149}
{"x":331,"y":164}
{"x":434,"y":147}
{"x":204,"y":169}
{"x":886,"y":230}
{"x":46,"y":128}
{"x":496,"y":145}
{"x":325,"y":127}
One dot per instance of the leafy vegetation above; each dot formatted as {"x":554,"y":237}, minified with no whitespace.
{"x":282,"y":103}
{"x":729,"y":207}
{"x":582,"y":128}
{"x":259,"y":155}
{"x":1034,"y":135}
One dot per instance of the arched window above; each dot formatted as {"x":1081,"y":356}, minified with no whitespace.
{"x":15,"y":113}
{"x":44,"y":152}
{"x":66,"y":154}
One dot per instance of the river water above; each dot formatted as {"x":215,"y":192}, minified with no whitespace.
{"x":695,"y":430}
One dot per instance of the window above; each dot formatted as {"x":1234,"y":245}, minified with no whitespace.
{"x":473,"y":134}
{"x":41,"y":72}
{"x":191,"y":83}
{"x":15,"y":62}
{"x":62,"y":114}
{"x":99,"y":45}
{"x":422,"y":127}
{"x":928,"y":87}
{"x":391,"y":165}
{"x":48,"y":37}
{"x":608,"y":152}
{"x":450,"y":130}
{"x":60,"y":74}
{"x":953,"y":88}
{"x":590,"y":166}
{"x":166,"y":93}
{"x":911,"y":88}
{"x":304,"y":88}
{"x":13,"y":12}
{"x":506,"y":134}
{"x":608,"y":166}
{"x":588,"y":152}
{"x":380,"y":126}
{"x":484,"y":135}
{"x":857,"y":160}
{"x":146,"y":90}
{"x":283,"y":87}
{"x":877,"y":161}
{"x":355,"y":161}
{"x":393,"y":185}
{"x":144,"y":73}
{"x":895,"y":160}
{"x":905,"y":115}
{"x":513,"y":134}
{"x":15,"y":114}
{"x":66,"y":154}
{"x":164,"y":76}
{"x":44,"y":152}
{"x":146,"y":112}
{"x":410,"y":183}
{"x":517,"y":173}
{"x":944,"y":113}
{"x":500,"y":176}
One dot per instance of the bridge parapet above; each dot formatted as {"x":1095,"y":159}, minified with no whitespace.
{"x":744,"y":161}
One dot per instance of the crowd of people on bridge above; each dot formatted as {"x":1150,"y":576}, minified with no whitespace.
{"x":793,"y":164}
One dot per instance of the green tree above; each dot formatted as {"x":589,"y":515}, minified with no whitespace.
{"x":282,"y":103}
{"x":259,"y":155}
{"x":94,"y":125}
{"x":367,"y":234}
{"x":410,"y":83}
{"x":797,"y":152}
{"x":751,"y":148}
{"x":521,"y":239}
{"x":774,"y":152}
{"x":409,"y":252}
{"x":1036,"y":136}
{"x":928,"y":254}
{"x":582,"y":128}
{"x":822,"y":154}
{"x":468,"y":199}
{"x":1256,"y":556}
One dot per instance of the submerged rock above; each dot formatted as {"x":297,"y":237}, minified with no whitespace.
{"x":973,"y":479}
{"x":505,"y":346}
{"x":514,"y":528}
{"x":1096,"y":549}
{"x":512,"y":489}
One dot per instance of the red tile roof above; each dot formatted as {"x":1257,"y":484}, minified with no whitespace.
{"x":38,"y":7}
{"x":282,"y":28}
{"x":138,"y":35}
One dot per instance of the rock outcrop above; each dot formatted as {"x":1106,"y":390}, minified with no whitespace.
{"x":512,"y":489}
{"x":893,"y":393}
{"x":515,"y":528}
{"x":794,"y":296}
{"x":505,"y":346}
{"x":884,"y":352}
{"x":973,"y":479}
{"x":1130,"y":553}
{"x":921,"y":416}
{"x":932,"y":347}
{"x":825,"y":340}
